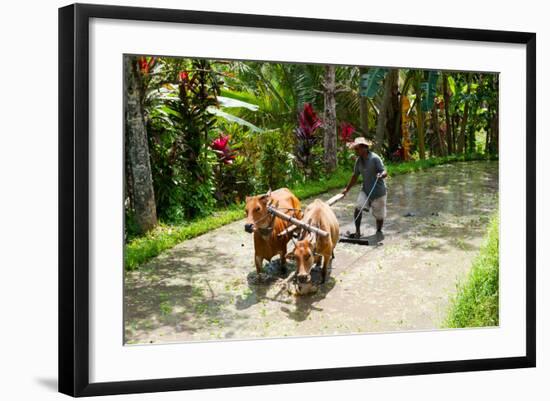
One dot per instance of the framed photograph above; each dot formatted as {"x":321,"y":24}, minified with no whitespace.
{"x":252,"y":199}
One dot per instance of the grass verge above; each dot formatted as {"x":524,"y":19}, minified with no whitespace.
{"x":476,"y":301}
{"x":141,"y":249}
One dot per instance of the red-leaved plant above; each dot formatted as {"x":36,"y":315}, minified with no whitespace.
{"x":308,"y":120}
{"x":145,"y":65}
{"x":308,"y":123}
{"x":346,"y":131}
{"x":220,"y":145}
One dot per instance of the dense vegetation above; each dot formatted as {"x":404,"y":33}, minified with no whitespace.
{"x":477,"y":302}
{"x":203,"y":134}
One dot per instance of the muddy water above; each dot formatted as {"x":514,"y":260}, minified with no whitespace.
{"x":206,"y":288}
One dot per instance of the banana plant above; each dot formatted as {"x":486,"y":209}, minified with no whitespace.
{"x":372,"y":81}
{"x":428,"y":88}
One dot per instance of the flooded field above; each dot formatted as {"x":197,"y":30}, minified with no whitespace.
{"x":205,"y":288}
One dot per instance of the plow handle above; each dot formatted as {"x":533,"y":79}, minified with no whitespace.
{"x":335,"y":199}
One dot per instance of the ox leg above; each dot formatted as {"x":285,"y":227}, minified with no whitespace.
{"x":258,"y":260}
{"x":283,"y":262}
{"x":326,"y":260}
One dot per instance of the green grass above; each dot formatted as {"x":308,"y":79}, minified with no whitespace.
{"x":141,"y":249}
{"x":476,"y":301}
{"x":163,"y":237}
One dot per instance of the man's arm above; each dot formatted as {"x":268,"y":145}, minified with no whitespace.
{"x":351,"y":183}
{"x":382,"y":173}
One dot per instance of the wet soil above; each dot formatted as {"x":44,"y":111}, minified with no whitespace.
{"x":206,"y":288}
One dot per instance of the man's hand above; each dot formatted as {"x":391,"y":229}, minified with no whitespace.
{"x":351,"y":183}
{"x":383,"y":174}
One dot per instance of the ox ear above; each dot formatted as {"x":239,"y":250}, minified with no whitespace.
{"x":264,"y":198}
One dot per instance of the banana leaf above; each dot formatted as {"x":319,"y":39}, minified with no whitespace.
{"x":429,"y":89}
{"x":230,"y":102}
{"x":233,"y":119}
{"x":371,"y":82}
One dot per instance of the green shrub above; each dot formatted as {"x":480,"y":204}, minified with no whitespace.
{"x":477,"y":299}
{"x":275,"y":161}
{"x":233,"y":182}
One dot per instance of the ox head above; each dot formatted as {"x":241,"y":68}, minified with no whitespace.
{"x":257,"y":216}
{"x":304,"y":256}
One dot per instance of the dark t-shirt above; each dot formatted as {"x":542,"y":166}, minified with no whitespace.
{"x":369,"y":168}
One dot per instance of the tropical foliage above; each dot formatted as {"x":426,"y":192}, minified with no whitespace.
{"x":217,"y":131}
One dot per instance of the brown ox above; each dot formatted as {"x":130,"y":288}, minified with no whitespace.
{"x":266,"y":227}
{"x":311,"y":247}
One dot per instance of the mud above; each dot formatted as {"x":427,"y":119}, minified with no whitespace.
{"x":206,"y":288}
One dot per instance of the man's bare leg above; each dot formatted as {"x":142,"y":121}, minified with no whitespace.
{"x":357,"y":215}
{"x":379,"y":224}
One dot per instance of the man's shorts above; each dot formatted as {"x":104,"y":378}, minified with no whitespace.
{"x":377,"y":205}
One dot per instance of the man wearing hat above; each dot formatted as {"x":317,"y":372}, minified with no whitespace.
{"x":370,"y":166}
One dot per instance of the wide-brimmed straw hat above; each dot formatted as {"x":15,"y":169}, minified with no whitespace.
{"x":360,"y":140}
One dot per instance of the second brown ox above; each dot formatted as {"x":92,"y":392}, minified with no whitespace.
{"x":312,"y":247}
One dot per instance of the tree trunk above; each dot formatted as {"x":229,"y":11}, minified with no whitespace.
{"x":435,"y":127}
{"x":138,"y":151}
{"x":494,"y":133}
{"x":385,"y":113}
{"x":330,"y":144}
{"x":472,"y":130}
{"x":454,"y":125}
{"x":405,"y":105}
{"x":491,"y":142}
{"x":419,"y":120}
{"x":495,"y":128}
{"x":462,"y":134}
{"x":462,"y":137}
{"x":394,"y":116}
{"x":364,"y":109}
{"x":448,"y":123}
{"x":488,"y":132}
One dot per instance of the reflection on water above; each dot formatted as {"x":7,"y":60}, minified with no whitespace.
{"x":453,"y":188}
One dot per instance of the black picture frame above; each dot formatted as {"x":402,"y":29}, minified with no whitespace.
{"x":74,"y":198}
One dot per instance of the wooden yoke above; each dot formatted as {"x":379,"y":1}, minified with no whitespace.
{"x":293,"y":228}
{"x":296,"y":222}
